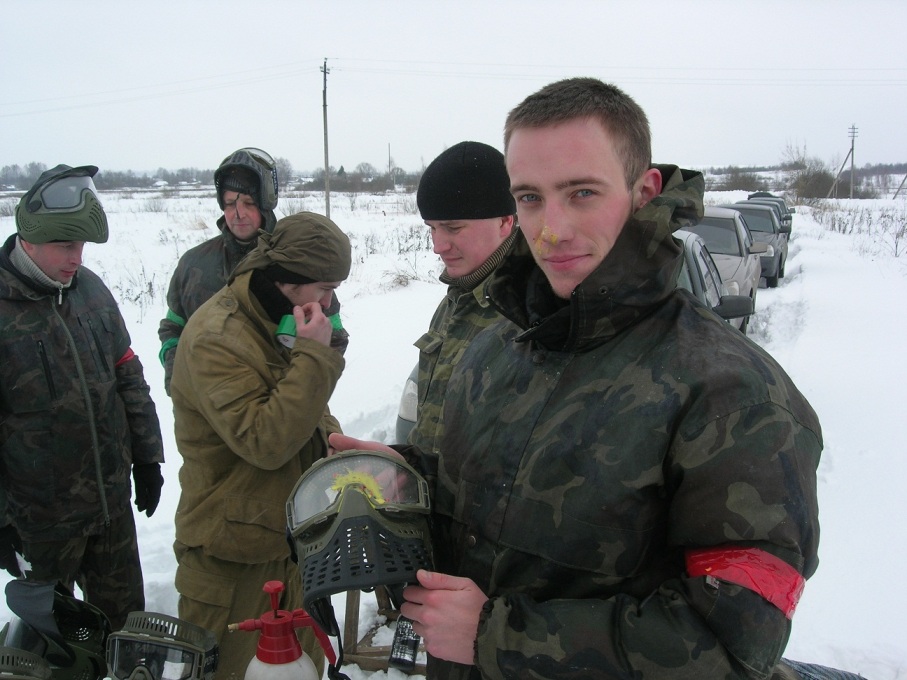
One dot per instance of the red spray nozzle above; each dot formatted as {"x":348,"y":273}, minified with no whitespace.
{"x":278,"y":643}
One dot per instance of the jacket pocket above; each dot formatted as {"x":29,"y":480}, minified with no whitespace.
{"x":429,"y":346}
{"x":253,"y":530}
{"x":101,"y":334}
{"x":203,"y":586}
{"x":27,"y":382}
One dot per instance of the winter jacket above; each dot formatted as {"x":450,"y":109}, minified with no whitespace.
{"x":200,"y":273}
{"x":75,"y":410}
{"x":590,"y":444}
{"x":460,"y":316}
{"x":250,"y":416}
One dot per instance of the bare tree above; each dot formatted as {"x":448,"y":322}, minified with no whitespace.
{"x":284,"y":171}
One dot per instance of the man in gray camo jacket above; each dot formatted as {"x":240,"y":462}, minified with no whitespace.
{"x":76,"y":415}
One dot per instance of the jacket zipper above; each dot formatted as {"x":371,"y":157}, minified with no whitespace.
{"x":42,"y":352}
{"x":92,"y":424}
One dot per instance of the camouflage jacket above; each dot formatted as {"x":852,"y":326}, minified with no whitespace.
{"x":200,"y":273}
{"x":460,"y":316}
{"x":250,"y":416}
{"x":76,"y":410}
{"x":589,"y":445}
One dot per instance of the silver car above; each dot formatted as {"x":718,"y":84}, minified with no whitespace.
{"x":735,"y":252}
{"x":787,"y":213}
{"x":765,"y":226}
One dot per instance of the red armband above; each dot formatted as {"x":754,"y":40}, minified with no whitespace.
{"x":126,"y":357}
{"x":754,"y":569}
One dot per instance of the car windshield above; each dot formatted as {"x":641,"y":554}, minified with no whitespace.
{"x":719,"y":234}
{"x":758,"y":221}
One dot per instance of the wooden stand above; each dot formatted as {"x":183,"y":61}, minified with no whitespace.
{"x":365,"y":654}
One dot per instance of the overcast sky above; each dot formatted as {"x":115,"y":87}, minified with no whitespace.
{"x":142,"y":85}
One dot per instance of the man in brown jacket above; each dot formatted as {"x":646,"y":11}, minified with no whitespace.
{"x":250,"y":416}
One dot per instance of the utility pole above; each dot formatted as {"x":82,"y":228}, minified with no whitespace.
{"x":853,"y":136}
{"x":327,"y":168}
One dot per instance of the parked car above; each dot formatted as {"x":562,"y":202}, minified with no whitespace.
{"x":698,"y":274}
{"x":409,"y":406}
{"x":735,"y":253}
{"x":765,"y":226}
{"x":787,"y":213}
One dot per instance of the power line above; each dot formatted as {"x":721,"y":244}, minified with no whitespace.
{"x":676,"y":76}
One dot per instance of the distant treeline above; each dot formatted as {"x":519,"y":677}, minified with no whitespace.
{"x":868,"y":170}
{"x":364,"y":178}
{"x":799,"y":175}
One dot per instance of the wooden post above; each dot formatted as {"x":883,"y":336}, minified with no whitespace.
{"x":362,"y":651}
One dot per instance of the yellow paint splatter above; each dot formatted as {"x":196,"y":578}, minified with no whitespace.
{"x":361,"y":479}
{"x":545,"y":238}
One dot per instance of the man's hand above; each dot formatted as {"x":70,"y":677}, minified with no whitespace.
{"x":10,"y":548}
{"x":341,"y":442}
{"x":147,"y":481}
{"x":445,"y":611}
{"x":311,"y":323}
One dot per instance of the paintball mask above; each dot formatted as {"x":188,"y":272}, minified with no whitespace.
{"x":66,"y":633}
{"x":261,"y":166}
{"x":159,"y":647}
{"x":17,"y":664}
{"x":358,"y":520}
{"x":63,"y":205}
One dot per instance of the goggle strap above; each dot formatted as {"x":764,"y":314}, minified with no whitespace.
{"x":334,"y":672}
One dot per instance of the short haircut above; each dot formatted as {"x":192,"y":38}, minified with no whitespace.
{"x":566,"y":100}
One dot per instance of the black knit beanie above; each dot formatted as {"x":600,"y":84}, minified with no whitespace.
{"x":242,"y":181}
{"x":468,"y":181}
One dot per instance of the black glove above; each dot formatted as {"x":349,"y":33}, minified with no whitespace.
{"x":10,"y":544}
{"x":147,"y":480}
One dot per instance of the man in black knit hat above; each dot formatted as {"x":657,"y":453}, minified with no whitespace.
{"x":464,"y":198}
{"x":246,"y":185}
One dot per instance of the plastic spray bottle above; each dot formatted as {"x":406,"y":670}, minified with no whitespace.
{"x":279,"y":655}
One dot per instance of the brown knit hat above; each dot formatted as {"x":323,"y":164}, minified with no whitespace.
{"x":306,"y":244}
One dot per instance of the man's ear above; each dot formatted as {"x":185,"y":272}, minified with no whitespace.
{"x":648,"y":186}
{"x":507,"y":223}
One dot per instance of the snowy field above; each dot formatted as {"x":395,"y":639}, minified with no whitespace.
{"x":836,"y":323}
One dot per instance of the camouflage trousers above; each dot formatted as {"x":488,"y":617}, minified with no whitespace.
{"x":106,"y":567}
{"x":215,"y":593}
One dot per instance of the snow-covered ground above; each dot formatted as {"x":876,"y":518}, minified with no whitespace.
{"x":836,"y":323}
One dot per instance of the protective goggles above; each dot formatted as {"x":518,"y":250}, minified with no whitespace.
{"x":159,"y":647}
{"x":261,"y":156}
{"x":387,"y":482}
{"x":63,"y":195}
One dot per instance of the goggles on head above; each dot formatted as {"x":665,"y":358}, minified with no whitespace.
{"x":159,"y":647}
{"x":63,"y":205}
{"x":66,"y":193}
{"x":258,"y":161}
{"x":262,"y":157}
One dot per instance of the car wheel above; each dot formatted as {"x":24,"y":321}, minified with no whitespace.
{"x":781,"y":269}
